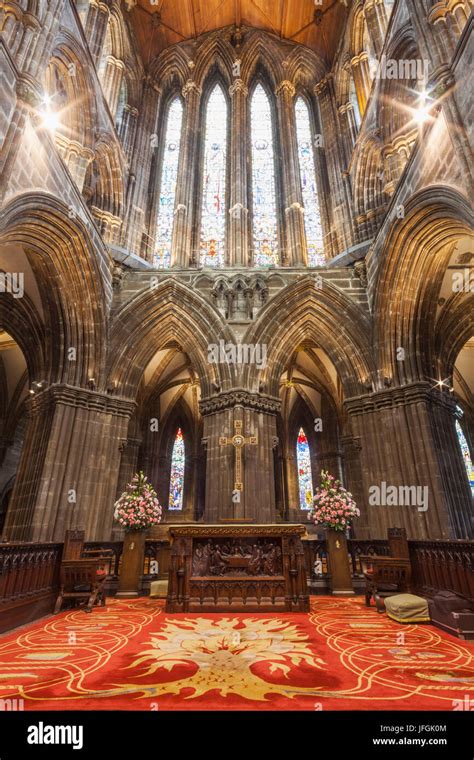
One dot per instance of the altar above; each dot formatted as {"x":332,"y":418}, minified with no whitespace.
{"x":247,"y":568}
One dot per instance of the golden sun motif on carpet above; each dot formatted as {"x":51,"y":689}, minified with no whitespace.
{"x":224,"y":652}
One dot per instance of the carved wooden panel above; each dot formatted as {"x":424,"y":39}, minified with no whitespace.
{"x":247,"y":568}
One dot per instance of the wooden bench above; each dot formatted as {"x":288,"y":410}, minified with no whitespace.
{"x":83,"y":572}
{"x":81,"y":579}
{"x":385,"y":576}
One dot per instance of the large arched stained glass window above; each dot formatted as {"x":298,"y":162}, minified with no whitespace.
{"x":466,"y":454}
{"x":177,"y":472}
{"x":213,"y":218}
{"x":305,"y":479}
{"x":169,"y":176}
{"x":312,"y":214}
{"x":265,"y":229}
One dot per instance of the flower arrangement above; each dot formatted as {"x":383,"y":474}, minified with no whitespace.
{"x":333,"y":506}
{"x":138,"y":507}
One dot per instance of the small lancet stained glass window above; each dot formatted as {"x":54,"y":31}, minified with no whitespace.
{"x":177,"y":472}
{"x":213,"y":215}
{"x":466,"y":455}
{"x":305,"y":479}
{"x":312,"y":214}
{"x":169,"y":176}
{"x":265,"y":227}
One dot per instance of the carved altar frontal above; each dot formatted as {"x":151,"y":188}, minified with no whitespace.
{"x":248,"y":568}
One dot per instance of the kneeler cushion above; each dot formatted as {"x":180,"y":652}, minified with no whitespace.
{"x":407,"y":608}
{"x":159,"y":589}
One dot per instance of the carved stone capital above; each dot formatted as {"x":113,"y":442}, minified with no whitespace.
{"x":79,"y":398}
{"x":247,"y":400}
{"x":28,"y":92}
{"x":237,"y":210}
{"x":389,"y":398}
{"x":190,"y":87}
{"x":285,"y":88}
{"x":239,"y":86}
{"x":294,"y":207}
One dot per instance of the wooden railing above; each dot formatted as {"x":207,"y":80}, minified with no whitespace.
{"x":29,"y":577}
{"x":29,"y":573}
{"x":443,"y":565}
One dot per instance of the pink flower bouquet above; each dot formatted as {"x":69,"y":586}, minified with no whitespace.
{"x":333,"y":506}
{"x":138,"y":507}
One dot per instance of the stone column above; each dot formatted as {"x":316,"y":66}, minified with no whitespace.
{"x":257,"y":498}
{"x":181,"y":253}
{"x":363,"y":83}
{"x":145,"y":144}
{"x":96,"y":28}
{"x":341,"y":233}
{"x":26,"y":33}
{"x":349,"y":125}
{"x":408,"y":439}
{"x":294,"y":233}
{"x":353,"y":481}
{"x":238,"y":227}
{"x":376,"y":17}
{"x":38,"y":53}
{"x":111,"y":82}
{"x":127,"y":129}
{"x":67,"y":476}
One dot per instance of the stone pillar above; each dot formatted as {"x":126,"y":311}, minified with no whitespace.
{"x":111,"y":81}
{"x":238,"y":227}
{"x":349,"y":125}
{"x":67,"y":476}
{"x":127,"y":129}
{"x":295,"y":239}
{"x":353,"y":481}
{"x":145,"y":144}
{"x":129,"y":449}
{"x":38,"y":53}
{"x":181,"y":252}
{"x":25,"y":36}
{"x":363,"y":83}
{"x":96,"y":28}
{"x":76,"y":157}
{"x":407,"y":439}
{"x":341,"y":232}
{"x":257,"y":498}
{"x":377,"y":22}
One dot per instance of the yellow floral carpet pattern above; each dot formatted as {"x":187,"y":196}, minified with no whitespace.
{"x":133,"y":655}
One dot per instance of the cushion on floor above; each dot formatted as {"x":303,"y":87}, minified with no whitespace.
{"x":407,"y":608}
{"x":159,"y":589}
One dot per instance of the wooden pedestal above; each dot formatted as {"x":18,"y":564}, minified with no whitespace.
{"x":247,"y":568}
{"x":132,"y":563}
{"x":339,"y":567}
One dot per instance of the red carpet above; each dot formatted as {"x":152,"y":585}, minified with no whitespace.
{"x":133,"y":656}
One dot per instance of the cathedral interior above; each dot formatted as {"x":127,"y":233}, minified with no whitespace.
{"x":236,"y":376}
{"x":235,"y":217}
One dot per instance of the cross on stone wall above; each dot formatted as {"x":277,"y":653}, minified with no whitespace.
{"x":238,"y":441}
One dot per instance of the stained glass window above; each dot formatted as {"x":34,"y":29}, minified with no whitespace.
{"x":305,"y":479}
{"x":466,"y":455}
{"x":169,"y":175}
{"x":213,"y":219}
{"x":312,"y":215}
{"x":122,"y":102}
{"x":177,"y":472}
{"x":354,"y":100}
{"x":265,"y":230}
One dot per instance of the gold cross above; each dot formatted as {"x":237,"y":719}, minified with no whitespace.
{"x":238,"y":441}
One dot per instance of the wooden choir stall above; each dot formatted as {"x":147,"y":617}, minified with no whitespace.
{"x":248,"y":568}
